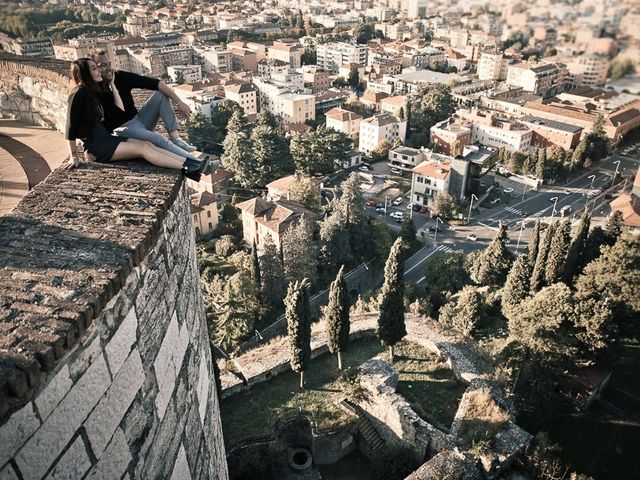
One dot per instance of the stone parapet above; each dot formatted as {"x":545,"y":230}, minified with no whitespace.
{"x":35,"y":90}
{"x":105,"y":365}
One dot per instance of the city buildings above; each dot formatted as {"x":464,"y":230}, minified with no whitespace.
{"x":330,"y":56}
{"x":379,"y":128}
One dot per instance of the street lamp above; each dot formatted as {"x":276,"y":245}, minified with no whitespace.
{"x":617,"y":162}
{"x":523,"y":192}
{"x":555,"y":201}
{"x":520,"y":234}
{"x":386,"y":198}
{"x":593,"y":178}
{"x":435,"y":234}
{"x":470,"y":207}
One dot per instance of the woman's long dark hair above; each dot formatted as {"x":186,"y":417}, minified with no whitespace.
{"x":81,"y":75}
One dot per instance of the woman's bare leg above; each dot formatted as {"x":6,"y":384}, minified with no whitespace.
{"x":133,"y":148}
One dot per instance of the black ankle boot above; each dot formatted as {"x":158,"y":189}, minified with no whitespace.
{"x":193,"y":168}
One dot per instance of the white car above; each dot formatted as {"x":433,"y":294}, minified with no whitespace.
{"x":398,"y":201}
{"x":396,"y":171}
{"x":472,"y":236}
{"x":508,"y":190}
{"x":397,"y":215}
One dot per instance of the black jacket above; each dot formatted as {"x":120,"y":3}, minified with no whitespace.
{"x":82,"y":114}
{"x":125,"y":82}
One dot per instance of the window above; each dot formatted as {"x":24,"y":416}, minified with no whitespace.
{"x":210,"y":226}
{"x":208,"y":213}
{"x":195,"y":218}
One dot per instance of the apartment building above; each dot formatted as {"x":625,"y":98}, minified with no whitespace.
{"x":546,"y":79}
{"x":242,"y":58}
{"x":204,"y":213}
{"x":315,"y":78}
{"x":244,"y":94}
{"x":417,"y":8}
{"x":378,"y":128}
{"x":428,"y":179}
{"x":185,"y":73}
{"x":492,"y":66}
{"x":215,"y":59}
{"x":289,"y":51}
{"x":589,"y":69}
{"x":550,"y":132}
{"x":344,"y":121}
{"x":330,"y":56}
{"x":269,"y":66}
{"x":491,"y":131}
{"x":83,"y":46}
{"x":154,"y":62}
{"x":289,"y":107}
{"x":138,"y":24}
{"x":28,"y":47}
{"x":395,"y":105}
{"x":450,"y":137}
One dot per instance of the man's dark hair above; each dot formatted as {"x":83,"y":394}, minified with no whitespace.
{"x":97,"y":53}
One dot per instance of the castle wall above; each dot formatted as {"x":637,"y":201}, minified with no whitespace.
{"x":105,"y":363}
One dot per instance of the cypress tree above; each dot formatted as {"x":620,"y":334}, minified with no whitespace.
{"x":613,"y":228}
{"x":337,"y":313}
{"x":391,"y":327}
{"x":255,"y":265}
{"x":596,"y":239}
{"x":541,"y":163}
{"x":495,"y":260}
{"x":534,"y":244}
{"x":557,"y":257}
{"x":576,"y":250}
{"x":538,"y":275}
{"x":517,"y":286}
{"x":299,"y":326}
{"x":272,"y":274}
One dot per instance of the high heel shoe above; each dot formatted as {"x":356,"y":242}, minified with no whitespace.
{"x":192,"y":168}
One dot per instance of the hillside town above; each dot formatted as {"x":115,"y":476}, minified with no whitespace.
{"x":443,"y":195}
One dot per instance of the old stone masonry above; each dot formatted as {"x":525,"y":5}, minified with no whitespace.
{"x":105,"y":365}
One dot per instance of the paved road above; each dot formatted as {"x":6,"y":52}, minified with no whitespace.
{"x":525,"y":209}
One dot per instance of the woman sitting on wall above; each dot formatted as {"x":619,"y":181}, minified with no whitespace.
{"x":84,"y":121}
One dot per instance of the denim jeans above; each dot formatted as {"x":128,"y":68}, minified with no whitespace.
{"x":142,"y":126}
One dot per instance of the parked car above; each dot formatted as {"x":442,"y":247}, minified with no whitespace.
{"x":397,"y":215}
{"x":362,"y":168}
{"x":371,"y":203}
{"x":565,"y":210}
{"x":472,"y":236}
{"x":508,"y":190}
{"x":398,"y":201}
{"x":424,"y":209}
{"x":593,"y":193}
{"x":380,"y":210}
{"x":413,"y":205}
{"x":435,"y":228}
{"x":379,"y":205}
{"x":396,"y":171}
{"x":367,"y":165}
{"x":566,"y":192}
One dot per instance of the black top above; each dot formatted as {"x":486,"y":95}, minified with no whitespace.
{"x":82,"y":114}
{"x":125,"y":82}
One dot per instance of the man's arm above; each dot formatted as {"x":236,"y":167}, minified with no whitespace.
{"x":168,"y":91}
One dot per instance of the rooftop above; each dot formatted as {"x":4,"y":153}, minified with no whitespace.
{"x":550,"y":123}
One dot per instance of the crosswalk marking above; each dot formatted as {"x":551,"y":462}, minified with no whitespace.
{"x":514,"y":210}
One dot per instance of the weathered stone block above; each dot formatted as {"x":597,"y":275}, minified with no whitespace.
{"x":181,"y":467}
{"x":204,"y":384}
{"x":119,"y":347}
{"x":74,"y":463}
{"x":37,"y":455}
{"x":20,"y":426}
{"x":8,"y":473}
{"x":47,"y":400}
{"x":109,"y":413}
{"x":114,"y":460}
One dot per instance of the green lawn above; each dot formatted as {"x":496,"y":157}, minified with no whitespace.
{"x":424,"y":381}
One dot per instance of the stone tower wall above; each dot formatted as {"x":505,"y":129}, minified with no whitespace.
{"x":105,"y":364}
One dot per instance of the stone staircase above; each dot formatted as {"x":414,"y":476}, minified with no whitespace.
{"x":366,"y":429}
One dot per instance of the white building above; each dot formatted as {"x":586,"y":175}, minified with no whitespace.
{"x":588,"y":70}
{"x":417,"y":8}
{"x":215,"y":59}
{"x":543,"y":79}
{"x":28,"y":47}
{"x":430,"y":178}
{"x":244,"y":94}
{"x":330,"y":56}
{"x":378,"y":128}
{"x":284,"y":102}
{"x":344,"y":121}
{"x":494,"y":132}
{"x":492,"y":66}
{"x":185,"y":73}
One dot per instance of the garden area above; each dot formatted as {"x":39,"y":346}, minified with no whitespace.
{"x":425,"y":380}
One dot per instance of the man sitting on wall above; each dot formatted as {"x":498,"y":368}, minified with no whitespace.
{"x":141,"y":124}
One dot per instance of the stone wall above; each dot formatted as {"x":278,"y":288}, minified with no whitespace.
{"x":34,"y":90}
{"x":105,"y":365}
